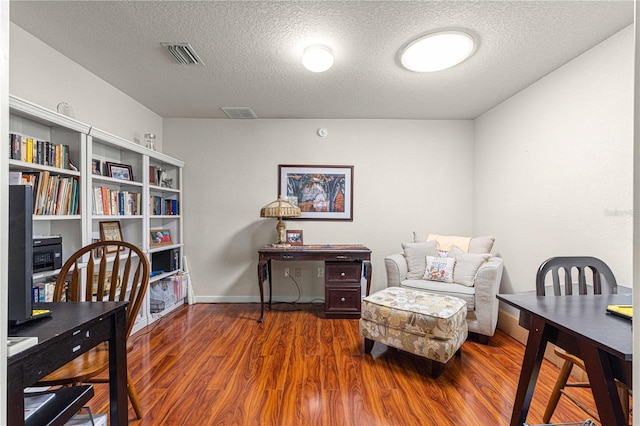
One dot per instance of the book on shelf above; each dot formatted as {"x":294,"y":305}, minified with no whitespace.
{"x":164,"y":206}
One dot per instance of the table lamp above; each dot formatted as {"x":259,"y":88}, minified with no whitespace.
{"x":280,"y":208}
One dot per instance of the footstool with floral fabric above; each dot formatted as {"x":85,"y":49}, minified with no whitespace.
{"x":430,"y":325}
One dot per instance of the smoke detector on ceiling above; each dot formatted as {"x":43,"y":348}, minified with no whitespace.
{"x":239,"y":112}
{"x":183,"y":53}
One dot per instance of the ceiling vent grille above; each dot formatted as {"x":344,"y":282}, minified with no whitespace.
{"x":239,"y":112}
{"x":183,"y":53}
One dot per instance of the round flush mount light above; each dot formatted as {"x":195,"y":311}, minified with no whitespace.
{"x":317,"y":58}
{"x":437,"y":51}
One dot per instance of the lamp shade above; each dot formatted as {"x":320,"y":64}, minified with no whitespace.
{"x":280,"y":208}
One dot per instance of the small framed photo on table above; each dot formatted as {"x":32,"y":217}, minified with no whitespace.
{"x":294,"y":237}
{"x":119,"y":171}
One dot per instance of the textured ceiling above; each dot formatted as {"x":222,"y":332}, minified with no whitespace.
{"x":251,"y":51}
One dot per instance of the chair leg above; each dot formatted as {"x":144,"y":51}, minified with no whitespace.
{"x":483,"y":339}
{"x":555,"y":394}
{"x":133,"y":397}
{"x":436,"y":369}
{"x":623,"y":393}
{"x":368,"y":345}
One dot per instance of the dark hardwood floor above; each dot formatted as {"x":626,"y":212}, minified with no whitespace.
{"x":213,"y":364}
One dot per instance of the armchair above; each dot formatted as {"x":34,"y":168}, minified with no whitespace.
{"x":475,"y":277}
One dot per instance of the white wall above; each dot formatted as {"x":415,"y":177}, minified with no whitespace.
{"x":4,"y":204}
{"x":554,"y":166}
{"x":45,"y":77}
{"x":408,"y":175}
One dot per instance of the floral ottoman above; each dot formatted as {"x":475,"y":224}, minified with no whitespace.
{"x":430,"y":325}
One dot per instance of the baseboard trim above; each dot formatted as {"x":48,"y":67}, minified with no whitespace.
{"x":256,"y":299}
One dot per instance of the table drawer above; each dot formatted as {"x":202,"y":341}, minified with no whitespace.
{"x":342,"y":301}
{"x":343,"y":272}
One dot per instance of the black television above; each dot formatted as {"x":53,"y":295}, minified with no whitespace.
{"x":20,"y":253}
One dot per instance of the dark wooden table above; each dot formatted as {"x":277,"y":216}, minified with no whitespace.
{"x":73,"y":329}
{"x":580,"y":325}
{"x":326,"y":253}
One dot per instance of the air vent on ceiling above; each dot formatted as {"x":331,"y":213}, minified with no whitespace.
{"x":183,"y":53}
{"x":239,"y":112}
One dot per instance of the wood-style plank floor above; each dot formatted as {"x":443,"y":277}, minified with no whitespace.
{"x":213,"y":364}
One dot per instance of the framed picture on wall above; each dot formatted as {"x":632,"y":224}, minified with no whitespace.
{"x":321,"y":192}
{"x":294,"y":237}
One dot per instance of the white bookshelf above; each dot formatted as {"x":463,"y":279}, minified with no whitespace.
{"x":86,"y":144}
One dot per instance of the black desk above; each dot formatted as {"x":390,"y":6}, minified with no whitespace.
{"x":73,"y":329}
{"x":580,"y":325}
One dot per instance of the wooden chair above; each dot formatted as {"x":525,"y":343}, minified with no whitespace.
{"x":112,"y":277}
{"x":601,"y":281}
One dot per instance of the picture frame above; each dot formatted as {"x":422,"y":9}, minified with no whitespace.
{"x":321,"y":192}
{"x":96,"y":167}
{"x":294,"y":237}
{"x":119,"y":171}
{"x":110,"y":231}
{"x":160,"y":237}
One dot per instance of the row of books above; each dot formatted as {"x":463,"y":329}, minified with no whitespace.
{"x":32,"y":150}
{"x":52,"y":194}
{"x":164,"y":206}
{"x":115,"y":202}
{"x":43,"y":292}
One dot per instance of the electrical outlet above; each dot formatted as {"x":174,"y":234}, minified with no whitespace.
{"x":286,"y":272}
{"x":320,"y":272}
{"x":297,"y":272}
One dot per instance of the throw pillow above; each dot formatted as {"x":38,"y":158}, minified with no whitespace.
{"x":467,"y":265}
{"x":476,"y":245}
{"x":416,"y":253}
{"x":481,"y":244}
{"x":439,"y":269}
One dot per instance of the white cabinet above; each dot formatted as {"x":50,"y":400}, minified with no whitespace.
{"x":92,"y":177}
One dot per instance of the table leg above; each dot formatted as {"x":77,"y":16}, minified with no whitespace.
{"x":270,"y":281}
{"x":367,"y":273}
{"x":261,"y":277}
{"x":533,"y":354}
{"x":603,"y":386}
{"x":118,"y":369}
{"x":15,"y":395}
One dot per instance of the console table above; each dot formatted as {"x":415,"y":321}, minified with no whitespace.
{"x":73,"y":329}
{"x":343,"y":271}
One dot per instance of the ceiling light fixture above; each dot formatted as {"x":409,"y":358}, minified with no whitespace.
{"x":437,"y":51}
{"x":317,"y":58}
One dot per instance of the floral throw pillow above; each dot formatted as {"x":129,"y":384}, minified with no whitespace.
{"x":439,"y":269}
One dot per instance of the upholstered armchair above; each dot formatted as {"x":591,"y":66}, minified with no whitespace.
{"x":455,"y":266}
